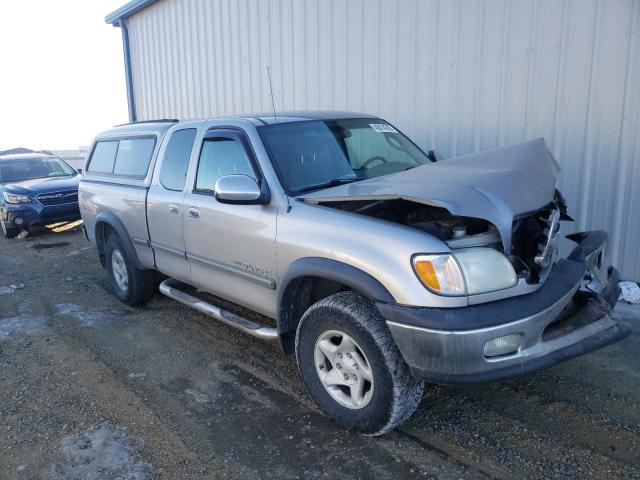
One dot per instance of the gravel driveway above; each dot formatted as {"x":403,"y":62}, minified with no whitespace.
{"x":93,"y":389}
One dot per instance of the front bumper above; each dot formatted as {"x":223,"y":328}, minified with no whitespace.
{"x":32,"y":214}
{"x":559,"y":321}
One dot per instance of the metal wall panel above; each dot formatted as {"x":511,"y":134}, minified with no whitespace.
{"x":458,"y":76}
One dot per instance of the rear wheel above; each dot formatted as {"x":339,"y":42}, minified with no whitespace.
{"x":8,"y":231}
{"x":130,"y":284}
{"x":352,"y":367}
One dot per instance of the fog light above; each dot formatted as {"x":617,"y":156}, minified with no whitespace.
{"x":503,"y":345}
{"x":18,"y":221}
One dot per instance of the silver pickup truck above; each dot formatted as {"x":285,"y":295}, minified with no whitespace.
{"x":376,"y":265}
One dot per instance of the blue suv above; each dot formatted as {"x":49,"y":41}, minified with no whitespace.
{"x":36,"y":189}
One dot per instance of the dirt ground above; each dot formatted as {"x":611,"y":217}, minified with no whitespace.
{"x":93,"y":389}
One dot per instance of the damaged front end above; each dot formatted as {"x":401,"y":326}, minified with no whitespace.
{"x":504,"y":199}
{"x":501,"y":201}
{"x":502,"y":334}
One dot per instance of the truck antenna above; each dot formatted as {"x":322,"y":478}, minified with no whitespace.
{"x":273,"y":103}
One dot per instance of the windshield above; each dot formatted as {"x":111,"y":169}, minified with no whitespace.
{"x":317,"y":154}
{"x":22,"y":169}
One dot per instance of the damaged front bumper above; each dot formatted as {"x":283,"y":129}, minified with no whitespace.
{"x":567,"y":317}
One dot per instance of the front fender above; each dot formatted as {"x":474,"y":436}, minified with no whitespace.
{"x":295,"y":293}
{"x":339,"y":272}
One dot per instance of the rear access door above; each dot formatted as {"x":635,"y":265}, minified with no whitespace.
{"x":165,"y":204}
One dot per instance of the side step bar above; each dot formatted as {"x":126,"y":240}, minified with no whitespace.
{"x":170,"y":288}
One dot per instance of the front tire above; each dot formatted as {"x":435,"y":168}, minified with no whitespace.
{"x":352,"y":367}
{"x":130,"y":284}
{"x":7,"y":231}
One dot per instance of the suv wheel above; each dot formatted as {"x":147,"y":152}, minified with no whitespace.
{"x":7,"y":231}
{"x":131,"y":285}
{"x":352,"y":367}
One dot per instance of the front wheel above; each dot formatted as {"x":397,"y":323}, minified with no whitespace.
{"x":352,"y":367}
{"x":7,"y":231}
{"x":130,"y":284}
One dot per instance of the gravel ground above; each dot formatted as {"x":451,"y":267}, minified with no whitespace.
{"x":93,"y":389}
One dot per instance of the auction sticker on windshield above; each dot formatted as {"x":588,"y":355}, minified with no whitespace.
{"x":383,"y":128}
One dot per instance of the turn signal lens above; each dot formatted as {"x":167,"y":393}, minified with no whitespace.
{"x":428,"y":274}
{"x":440,"y":273}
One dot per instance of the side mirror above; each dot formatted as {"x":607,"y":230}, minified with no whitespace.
{"x":435,"y":156}
{"x":79,"y":171}
{"x":238,"y":189}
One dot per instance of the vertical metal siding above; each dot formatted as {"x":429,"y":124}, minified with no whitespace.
{"x":458,"y":76}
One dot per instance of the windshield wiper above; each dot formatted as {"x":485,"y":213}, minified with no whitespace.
{"x":331,"y":183}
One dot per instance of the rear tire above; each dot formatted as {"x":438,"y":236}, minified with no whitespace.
{"x":130,"y":284}
{"x":352,"y":367}
{"x":7,"y":231}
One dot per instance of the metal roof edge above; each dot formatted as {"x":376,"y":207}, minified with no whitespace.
{"x":127,"y":10}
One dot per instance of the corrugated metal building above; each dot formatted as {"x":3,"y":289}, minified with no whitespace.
{"x":458,"y":76}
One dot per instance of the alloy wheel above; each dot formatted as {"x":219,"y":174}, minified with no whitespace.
{"x":344,"y":370}
{"x":119,"y":268}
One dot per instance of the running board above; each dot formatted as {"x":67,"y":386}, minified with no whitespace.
{"x":170,"y":288}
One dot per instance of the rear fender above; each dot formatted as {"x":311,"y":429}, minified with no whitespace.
{"x":109,"y":219}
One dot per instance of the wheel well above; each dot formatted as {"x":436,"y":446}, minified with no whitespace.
{"x":103,"y":231}
{"x":299,"y":295}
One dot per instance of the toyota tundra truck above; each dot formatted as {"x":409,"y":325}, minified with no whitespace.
{"x":377,"y":266}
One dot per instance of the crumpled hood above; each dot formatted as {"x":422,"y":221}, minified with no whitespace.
{"x":495,"y":185}
{"x":41,"y":185}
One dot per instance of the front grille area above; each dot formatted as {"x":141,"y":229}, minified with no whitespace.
{"x":57,"y":198}
{"x":533,"y":235}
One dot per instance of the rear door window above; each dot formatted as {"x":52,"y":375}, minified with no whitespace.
{"x":134,"y":156}
{"x":173,"y":174}
{"x":103,"y":157}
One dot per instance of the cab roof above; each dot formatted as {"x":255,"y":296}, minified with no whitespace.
{"x":301,"y":116}
{"x":158,"y":127}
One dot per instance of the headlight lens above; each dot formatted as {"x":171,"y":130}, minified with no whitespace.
{"x":485,"y":270}
{"x":465,"y":272}
{"x":12,"y":198}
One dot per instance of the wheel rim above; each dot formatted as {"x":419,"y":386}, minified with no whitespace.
{"x":4,"y":227}
{"x":119,"y":268}
{"x":344,"y":370}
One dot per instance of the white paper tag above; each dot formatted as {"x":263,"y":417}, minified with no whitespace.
{"x":383,"y":128}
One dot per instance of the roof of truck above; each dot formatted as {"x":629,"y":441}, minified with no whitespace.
{"x":158,"y":127}
{"x":300,"y":116}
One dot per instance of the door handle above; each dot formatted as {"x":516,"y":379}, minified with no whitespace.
{"x":173,"y":208}
{"x":194,"y":212}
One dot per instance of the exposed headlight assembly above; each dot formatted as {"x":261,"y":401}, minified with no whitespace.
{"x":13,"y":198}
{"x":465,"y":272}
